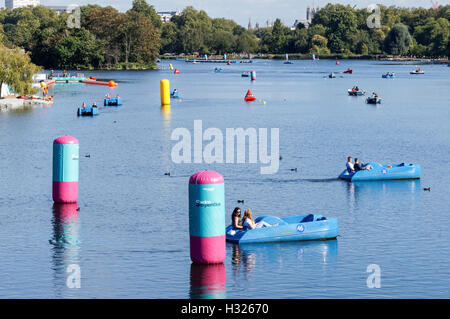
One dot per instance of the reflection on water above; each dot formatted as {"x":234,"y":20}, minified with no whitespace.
{"x":208,"y":281}
{"x":381,"y":191}
{"x":65,"y":242}
{"x":245,"y":258}
{"x":165,"y":135}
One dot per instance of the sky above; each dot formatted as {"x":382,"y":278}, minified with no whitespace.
{"x":242,"y":10}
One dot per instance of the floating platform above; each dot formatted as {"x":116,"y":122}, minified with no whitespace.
{"x":295,"y":228}
{"x":113,"y":102}
{"x":87,"y":111}
{"x":384,"y":172}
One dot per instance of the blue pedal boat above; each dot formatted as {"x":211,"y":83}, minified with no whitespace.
{"x":388,"y":76}
{"x":87,"y":111}
{"x":294,"y":228}
{"x":113,"y":102}
{"x":174,"y":95}
{"x":245,"y":74}
{"x":384,"y":172}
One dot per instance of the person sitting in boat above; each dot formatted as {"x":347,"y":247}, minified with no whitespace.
{"x":117,"y":96}
{"x":374,"y":95}
{"x":249,"y":223}
{"x":64,"y":73}
{"x":94,"y":105}
{"x":350,"y":166}
{"x":359,"y":166}
{"x":107,"y":96}
{"x":236,"y":219}
{"x":83,"y":106}
{"x":355,"y":88}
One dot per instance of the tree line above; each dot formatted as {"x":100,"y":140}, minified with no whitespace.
{"x":108,"y":38}
{"x":105,"y":37}
{"x":335,"y":29}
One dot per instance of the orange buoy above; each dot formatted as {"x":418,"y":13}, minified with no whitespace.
{"x":249,"y":96}
{"x":337,"y":62}
{"x":112,"y":84}
{"x":176,"y":71}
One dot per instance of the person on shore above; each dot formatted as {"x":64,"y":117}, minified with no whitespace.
{"x":236,"y":219}
{"x":361,"y":166}
{"x":64,"y":73}
{"x":249,"y":223}
{"x":350,"y":166}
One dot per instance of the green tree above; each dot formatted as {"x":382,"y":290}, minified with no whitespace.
{"x":80,"y":49}
{"x":278,"y":41}
{"x":142,"y":7}
{"x":340,"y":23}
{"x":398,"y":40}
{"x":319,"y":45}
{"x":17,"y":70}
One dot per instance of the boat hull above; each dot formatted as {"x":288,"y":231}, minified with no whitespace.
{"x":87,"y":111}
{"x":371,"y":100}
{"x":288,"y":229}
{"x":384,"y":172}
{"x":356,"y":93}
{"x":113,"y":102}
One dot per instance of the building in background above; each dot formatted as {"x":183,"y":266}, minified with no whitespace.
{"x":167,"y":15}
{"x":310,"y":14}
{"x":61,"y":9}
{"x":13,"y":4}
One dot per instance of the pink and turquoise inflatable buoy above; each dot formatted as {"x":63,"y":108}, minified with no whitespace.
{"x":207,"y":218}
{"x":66,"y":151}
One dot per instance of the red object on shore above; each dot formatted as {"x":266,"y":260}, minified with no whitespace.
{"x":249,"y":96}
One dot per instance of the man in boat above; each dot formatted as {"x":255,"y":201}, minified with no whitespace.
{"x":350,"y":166}
{"x":83,"y":106}
{"x":94,"y":105}
{"x":361,"y":166}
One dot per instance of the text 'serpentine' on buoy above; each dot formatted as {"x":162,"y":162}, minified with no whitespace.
{"x":165,"y":92}
{"x":207,"y":217}
{"x":66,"y":153}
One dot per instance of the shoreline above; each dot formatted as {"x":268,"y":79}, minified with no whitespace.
{"x":15,"y":104}
{"x":296,"y":56}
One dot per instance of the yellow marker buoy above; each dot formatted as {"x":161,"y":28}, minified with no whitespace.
{"x":171,"y":66}
{"x":264,"y":102}
{"x":165,"y":92}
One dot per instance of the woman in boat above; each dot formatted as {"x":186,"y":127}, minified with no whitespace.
{"x":249,"y":223}
{"x":236,"y":219}
{"x":359,"y":166}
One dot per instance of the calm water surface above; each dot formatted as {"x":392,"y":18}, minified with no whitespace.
{"x":130,"y":237}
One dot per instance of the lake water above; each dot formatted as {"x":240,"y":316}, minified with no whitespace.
{"x":131,"y":235}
